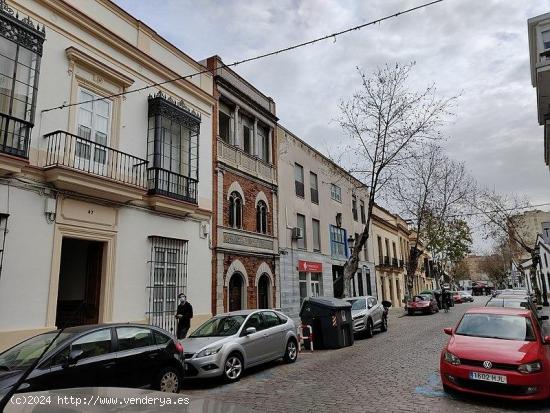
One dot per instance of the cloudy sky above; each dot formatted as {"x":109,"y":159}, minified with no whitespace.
{"x":477,"y":48}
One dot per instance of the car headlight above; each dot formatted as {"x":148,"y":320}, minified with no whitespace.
{"x":208,"y":352}
{"x":530,"y":367}
{"x":451,"y":358}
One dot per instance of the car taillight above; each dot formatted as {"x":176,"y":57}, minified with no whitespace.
{"x":179,"y":347}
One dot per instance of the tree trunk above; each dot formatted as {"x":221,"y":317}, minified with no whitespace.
{"x":411,"y":270}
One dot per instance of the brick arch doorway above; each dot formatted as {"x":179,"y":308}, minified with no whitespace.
{"x":264,"y":291}
{"x":236,"y":292}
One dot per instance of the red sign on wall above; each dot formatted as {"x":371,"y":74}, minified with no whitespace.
{"x":310,"y":266}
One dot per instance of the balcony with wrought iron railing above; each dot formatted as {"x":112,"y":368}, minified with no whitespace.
{"x":239,"y":159}
{"x":171,"y":184}
{"x":14,"y":144}
{"x":82,"y":165}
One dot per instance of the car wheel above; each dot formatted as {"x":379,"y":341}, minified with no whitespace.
{"x":368,"y":330}
{"x":169,"y":380}
{"x":291,"y":353}
{"x":233,"y":367}
{"x":384,"y":325}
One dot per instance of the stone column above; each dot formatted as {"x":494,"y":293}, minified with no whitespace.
{"x":394,"y":290}
{"x":387,"y":287}
{"x":236,"y":140}
{"x":379,"y":286}
{"x":255,"y":146}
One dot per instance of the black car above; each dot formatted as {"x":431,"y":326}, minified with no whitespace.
{"x":115,"y":355}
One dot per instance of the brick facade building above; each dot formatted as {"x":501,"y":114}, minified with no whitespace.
{"x":245,"y":246}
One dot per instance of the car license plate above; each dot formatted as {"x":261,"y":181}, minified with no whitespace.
{"x":494,"y":378}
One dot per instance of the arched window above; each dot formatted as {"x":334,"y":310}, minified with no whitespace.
{"x":264,"y":290}
{"x":261,"y":217}
{"x":236,"y":287}
{"x":235,"y":210}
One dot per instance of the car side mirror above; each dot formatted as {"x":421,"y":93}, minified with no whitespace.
{"x":386,"y":304}
{"x":249,"y":330}
{"x":448,"y":331}
{"x":73,"y":357}
{"x":369,"y":306}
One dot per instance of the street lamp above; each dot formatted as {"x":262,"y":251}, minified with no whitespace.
{"x":535,"y":254}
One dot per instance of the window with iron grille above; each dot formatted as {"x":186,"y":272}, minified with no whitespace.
{"x":173,"y":149}
{"x":20,"y":53}
{"x":168,"y":278}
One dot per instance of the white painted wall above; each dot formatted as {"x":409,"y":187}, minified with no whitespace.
{"x":25,"y":277}
{"x":132,"y":268}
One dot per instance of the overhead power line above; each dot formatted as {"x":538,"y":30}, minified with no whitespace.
{"x":250,"y":59}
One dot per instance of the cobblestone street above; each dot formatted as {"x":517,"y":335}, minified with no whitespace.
{"x":397,"y":371}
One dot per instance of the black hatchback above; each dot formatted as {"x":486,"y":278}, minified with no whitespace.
{"x":104,"y":355}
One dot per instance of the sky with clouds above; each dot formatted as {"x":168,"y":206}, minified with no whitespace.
{"x":476,"y":48}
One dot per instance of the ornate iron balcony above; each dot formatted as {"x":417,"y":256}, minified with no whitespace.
{"x":72,"y":151}
{"x":173,"y":185}
{"x":14,"y":136}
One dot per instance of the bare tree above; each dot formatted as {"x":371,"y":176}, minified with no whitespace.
{"x":501,"y":219}
{"x":386,"y":121}
{"x":431,"y":192}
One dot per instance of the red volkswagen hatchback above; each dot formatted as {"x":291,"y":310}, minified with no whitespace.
{"x":497,"y":352}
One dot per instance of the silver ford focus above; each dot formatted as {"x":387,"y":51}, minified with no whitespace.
{"x":227,"y":344}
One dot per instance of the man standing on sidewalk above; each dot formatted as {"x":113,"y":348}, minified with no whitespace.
{"x":184,"y":314}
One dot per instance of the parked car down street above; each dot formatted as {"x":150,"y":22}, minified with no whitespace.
{"x":497,"y":352}
{"x":368,"y":314}
{"x":466,"y":296}
{"x":424,"y":303}
{"x":457,"y":297}
{"x":230,"y":343}
{"x":110,"y":355}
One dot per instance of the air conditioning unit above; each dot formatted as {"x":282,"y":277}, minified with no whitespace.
{"x":297,"y":233}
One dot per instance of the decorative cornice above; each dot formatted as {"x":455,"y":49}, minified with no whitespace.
{"x":78,"y":56}
{"x":23,"y":32}
{"x":177,"y":111}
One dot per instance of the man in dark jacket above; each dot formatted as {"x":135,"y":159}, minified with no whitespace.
{"x":184,"y":314}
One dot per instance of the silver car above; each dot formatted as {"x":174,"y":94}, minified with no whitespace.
{"x":367,"y":314}
{"x":227,"y":344}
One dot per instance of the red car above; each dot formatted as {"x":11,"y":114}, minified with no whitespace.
{"x":424,"y":303}
{"x":457,"y":298}
{"x":497,"y":352}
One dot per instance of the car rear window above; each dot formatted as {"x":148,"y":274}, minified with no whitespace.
{"x":161,"y":338}
{"x":499,"y":326}
{"x":133,"y":337}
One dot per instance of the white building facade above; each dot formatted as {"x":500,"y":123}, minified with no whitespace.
{"x":105,"y":203}
{"x":322,"y":209}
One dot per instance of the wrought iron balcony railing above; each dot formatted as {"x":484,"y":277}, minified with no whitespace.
{"x":72,"y":151}
{"x":173,"y":185}
{"x":14,"y":136}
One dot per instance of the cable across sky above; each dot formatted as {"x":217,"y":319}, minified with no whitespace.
{"x":250,"y":59}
